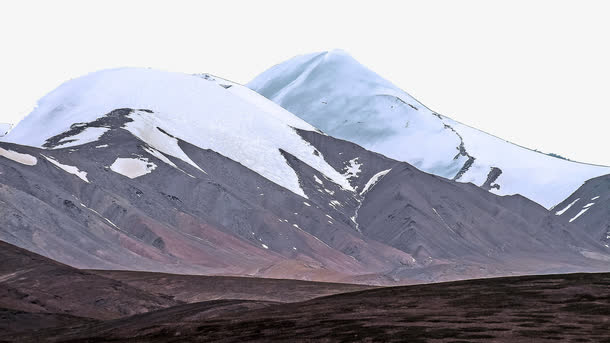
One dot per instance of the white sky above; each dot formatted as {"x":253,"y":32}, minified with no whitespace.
{"x":533,"y":72}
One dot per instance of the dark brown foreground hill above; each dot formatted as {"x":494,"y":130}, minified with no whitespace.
{"x":197,"y":288}
{"x":549,"y":308}
{"x":35,"y":284}
{"x":37,"y":292}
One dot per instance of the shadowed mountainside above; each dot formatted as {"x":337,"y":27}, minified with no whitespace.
{"x":32,"y":283}
{"x":38,"y":293}
{"x":551,"y":308}
{"x":196,"y":288}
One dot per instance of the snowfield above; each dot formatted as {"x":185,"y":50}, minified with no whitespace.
{"x":234,"y":121}
{"x":4,"y":129}
{"x":132,"y":167}
{"x":338,"y":95}
{"x":90,"y":134}
{"x":26,"y":159}
{"x":68,"y":169}
{"x":370,"y":183}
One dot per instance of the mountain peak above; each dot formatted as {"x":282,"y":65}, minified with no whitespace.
{"x":340,"y":96}
{"x":229,"y":119}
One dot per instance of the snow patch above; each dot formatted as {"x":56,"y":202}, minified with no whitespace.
{"x":595,"y":198}
{"x":353,"y":168}
{"x":106,"y":219}
{"x":101,"y":146}
{"x":26,"y":159}
{"x":160,"y":156}
{"x":90,"y":134}
{"x":443,"y":220}
{"x":373,"y":181}
{"x":132,"y":167}
{"x":589,"y":205}
{"x":334,"y":204}
{"x":558,"y":213}
{"x":69,"y":169}
{"x":145,"y":126}
{"x":306,"y":204}
{"x":579,"y":214}
{"x":315,"y":177}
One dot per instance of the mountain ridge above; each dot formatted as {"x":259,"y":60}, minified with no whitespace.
{"x":340,"y":96}
{"x":211,"y":178}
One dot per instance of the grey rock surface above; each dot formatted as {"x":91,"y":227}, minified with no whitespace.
{"x":400,"y":225}
{"x":588,"y":209}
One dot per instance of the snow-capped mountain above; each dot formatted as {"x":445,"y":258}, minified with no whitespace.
{"x":227,"y":120}
{"x":149,"y":170}
{"x":338,"y":95}
{"x":4,"y":129}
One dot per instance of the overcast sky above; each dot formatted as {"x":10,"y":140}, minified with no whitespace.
{"x":536,"y":73}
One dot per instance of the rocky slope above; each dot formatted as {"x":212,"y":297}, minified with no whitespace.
{"x":589,"y":208}
{"x":144,"y":170}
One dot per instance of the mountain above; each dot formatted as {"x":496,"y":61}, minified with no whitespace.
{"x":589,"y":208}
{"x":338,"y":95}
{"x":138,"y":169}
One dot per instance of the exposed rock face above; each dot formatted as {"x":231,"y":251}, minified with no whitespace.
{"x":493,"y":175}
{"x":197,"y":177}
{"x":588,"y":209}
{"x":212,"y":215}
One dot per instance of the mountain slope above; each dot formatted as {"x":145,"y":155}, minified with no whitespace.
{"x":454,"y":229}
{"x":38,"y":293}
{"x":346,"y":100}
{"x":588,"y":209}
{"x":204,"y":176}
{"x":542,"y":308}
{"x":32,"y":283}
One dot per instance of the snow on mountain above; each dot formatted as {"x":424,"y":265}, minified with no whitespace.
{"x":90,"y":134}
{"x":146,"y":170}
{"x":67,"y":168}
{"x":338,"y":95}
{"x":26,"y":159}
{"x":589,"y":207}
{"x":4,"y":129}
{"x":209,"y":113}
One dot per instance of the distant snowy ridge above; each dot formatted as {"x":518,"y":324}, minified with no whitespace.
{"x":210,"y":113}
{"x":338,"y":95}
